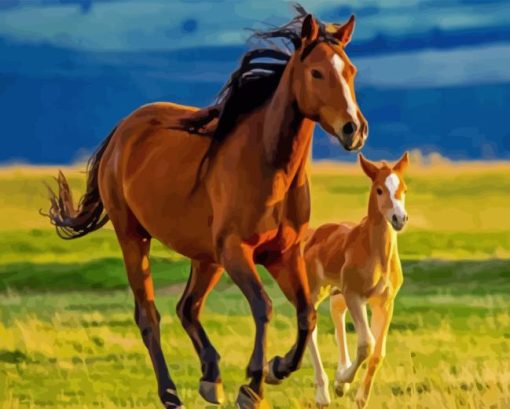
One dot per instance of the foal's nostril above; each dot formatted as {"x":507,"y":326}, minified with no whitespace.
{"x":394,"y":218}
{"x":349,"y":129}
{"x":406,"y":218}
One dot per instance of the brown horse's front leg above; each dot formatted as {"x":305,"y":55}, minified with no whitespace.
{"x":290,"y":272}
{"x":237,"y":258}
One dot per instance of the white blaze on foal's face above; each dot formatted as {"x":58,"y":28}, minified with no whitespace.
{"x":393,"y":207}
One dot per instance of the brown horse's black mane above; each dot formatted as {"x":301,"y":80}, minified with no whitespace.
{"x":256,"y":79}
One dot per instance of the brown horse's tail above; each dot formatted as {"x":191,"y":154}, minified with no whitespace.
{"x":72,"y":223}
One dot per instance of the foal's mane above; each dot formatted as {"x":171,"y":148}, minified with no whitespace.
{"x":256,"y":79}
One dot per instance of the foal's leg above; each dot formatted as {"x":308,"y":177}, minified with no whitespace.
{"x":237,"y":259}
{"x":338,"y":309}
{"x":321,"y":378}
{"x":382,"y":313}
{"x":290,"y":273}
{"x":358,"y":309}
{"x":135,"y":248}
{"x":203,"y":277}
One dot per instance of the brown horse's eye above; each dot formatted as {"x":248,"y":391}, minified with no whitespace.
{"x":379,"y":191}
{"x":317,"y":74}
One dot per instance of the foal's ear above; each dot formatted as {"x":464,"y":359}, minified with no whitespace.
{"x":402,"y":164}
{"x":344,"y":33}
{"x":310,"y":29}
{"x":370,"y":168}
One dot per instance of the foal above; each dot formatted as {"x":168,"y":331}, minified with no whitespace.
{"x":356,"y":265}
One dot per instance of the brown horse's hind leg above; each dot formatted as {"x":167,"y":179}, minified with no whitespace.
{"x":238,"y":261}
{"x":290,"y":273}
{"x":135,"y":246}
{"x":202,"y":279}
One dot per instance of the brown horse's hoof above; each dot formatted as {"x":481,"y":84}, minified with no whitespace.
{"x":170,"y":400}
{"x":212,"y":392}
{"x":271,"y":377}
{"x":248,"y":399}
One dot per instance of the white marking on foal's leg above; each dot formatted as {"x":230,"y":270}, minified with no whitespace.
{"x":321,"y":378}
{"x":338,"y":309}
{"x":358,"y":310}
{"x":381,"y":318}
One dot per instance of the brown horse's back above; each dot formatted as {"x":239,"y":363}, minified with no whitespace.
{"x":150,"y":169}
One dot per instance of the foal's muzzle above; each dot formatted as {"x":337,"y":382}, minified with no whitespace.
{"x":398,"y":223}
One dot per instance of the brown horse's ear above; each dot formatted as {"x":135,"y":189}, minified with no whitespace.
{"x":402,"y":164}
{"x":344,"y":33}
{"x":310,"y":29}
{"x":370,"y":168}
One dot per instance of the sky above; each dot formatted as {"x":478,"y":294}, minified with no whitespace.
{"x":418,"y":52}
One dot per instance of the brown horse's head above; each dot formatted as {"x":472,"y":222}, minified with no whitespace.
{"x":323,"y":81}
{"x":319,"y":73}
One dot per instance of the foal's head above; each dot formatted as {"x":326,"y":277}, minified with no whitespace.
{"x":388,"y":189}
{"x":323,"y":81}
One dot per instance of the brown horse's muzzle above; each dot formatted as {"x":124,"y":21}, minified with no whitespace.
{"x":353,"y":135}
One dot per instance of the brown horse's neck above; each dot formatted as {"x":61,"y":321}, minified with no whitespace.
{"x":286,"y":132}
{"x":382,"y":237}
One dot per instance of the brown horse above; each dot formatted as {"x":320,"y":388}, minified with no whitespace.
{"x":227,"y":187}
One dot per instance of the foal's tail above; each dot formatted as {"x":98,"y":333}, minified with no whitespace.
{"x":72,"y":223}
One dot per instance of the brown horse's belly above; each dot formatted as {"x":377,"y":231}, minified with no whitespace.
{"x":185,"y":229}
{"x":159,"y":172}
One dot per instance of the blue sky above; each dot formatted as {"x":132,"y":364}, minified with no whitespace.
{"x":130,"y":26}
{"x":66,"y":58}
{"x":163,"y":24}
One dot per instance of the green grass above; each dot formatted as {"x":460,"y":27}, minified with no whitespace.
{"x":68,"y":340}
{"x":82,"y":350}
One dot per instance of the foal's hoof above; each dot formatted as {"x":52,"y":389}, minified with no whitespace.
{"x":248,"y":399}
{"x":322,"y":398}
{"x":271,"y":377}
{"x":212,"y":392}
{"x":361,"y":399}
{"x":341,"y":388}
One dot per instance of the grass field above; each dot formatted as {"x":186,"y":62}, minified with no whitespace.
{"x":67,"y":337}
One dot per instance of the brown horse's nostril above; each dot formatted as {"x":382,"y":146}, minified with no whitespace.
{"x":349,"y":129}
{"x":394,"y":219}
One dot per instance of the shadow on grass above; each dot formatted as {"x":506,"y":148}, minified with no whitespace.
{"x":421,"y":277}
{"x":457,"y":277}
{"x":12,"y":357}
{"x":100,"y":274}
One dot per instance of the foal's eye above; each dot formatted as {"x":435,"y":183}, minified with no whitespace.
{"x":317,"y":74}
{"x":379,"y":191}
